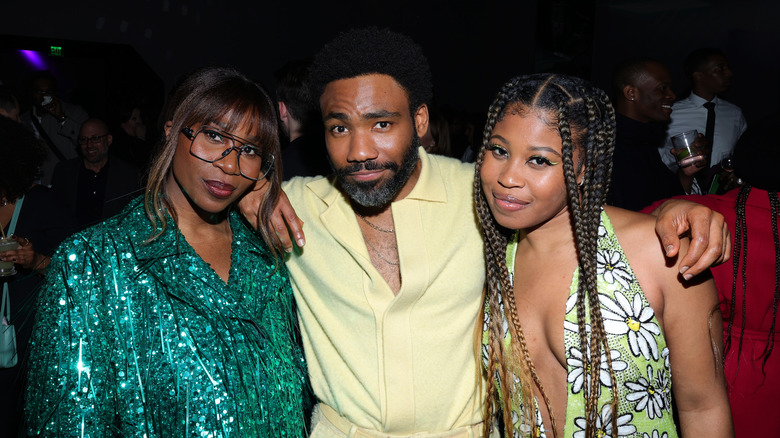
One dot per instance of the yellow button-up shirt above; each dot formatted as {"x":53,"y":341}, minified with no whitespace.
{"x":398,"y":364}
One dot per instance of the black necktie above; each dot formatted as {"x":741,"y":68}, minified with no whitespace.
{"x":709,"y":132}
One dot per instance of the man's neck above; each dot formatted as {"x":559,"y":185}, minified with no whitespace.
{"x":95,"y":167}
{"x":295,"y":135}
{"x":704,"y":94}
{"x":627,"y":114}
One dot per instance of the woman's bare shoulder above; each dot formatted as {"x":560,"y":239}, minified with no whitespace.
{"x":631,"y":225}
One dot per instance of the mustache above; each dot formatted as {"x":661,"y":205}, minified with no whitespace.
{"x":367,"y":165}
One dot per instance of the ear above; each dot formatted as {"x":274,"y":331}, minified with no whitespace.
{"x":168,"y":126}
{"x":421,"y":120}
{"x":697,"y":76}
{"x":283,"y":113}
{"x":629,"y":92}
{"x":110,"y":139}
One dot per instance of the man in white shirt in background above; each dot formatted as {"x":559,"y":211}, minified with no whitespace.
{"x":708,"y":71}
{"x":54,"y":121}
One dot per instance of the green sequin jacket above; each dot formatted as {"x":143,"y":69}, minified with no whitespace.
{"x":136,"y":339}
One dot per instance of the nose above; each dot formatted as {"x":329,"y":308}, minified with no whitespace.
{"x":361,"y":148}
{"x":511,"y":176}
{"x":229,"y":162}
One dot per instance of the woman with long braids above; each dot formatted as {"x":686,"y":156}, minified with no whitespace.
{"x":584,"y":345}
{"x":749,"y":286}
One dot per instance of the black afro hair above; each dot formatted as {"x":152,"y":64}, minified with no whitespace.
{"x":359,"y":52}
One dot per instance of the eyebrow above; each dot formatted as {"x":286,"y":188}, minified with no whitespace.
{"x":382,"y":114}
{"x":546,"y":149}
{"x":223,"y":127}
{"x":335,"y":116}
{"x":533,"y":148}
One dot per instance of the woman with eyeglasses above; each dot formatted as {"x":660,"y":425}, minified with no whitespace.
{"x":175,"y":318}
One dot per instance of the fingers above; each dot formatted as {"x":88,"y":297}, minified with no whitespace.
{"x":23,"y":241}
{"x":707,"y":246}
{"x":708,"y":242}
{"x":669,"y":232}
{"x":294,"y":223}
{"x":24,"y":255}
{"x":282,"y":236}
{"x":18,"y":257}
{"x":249,"y":205}
{"x":726,"y":253}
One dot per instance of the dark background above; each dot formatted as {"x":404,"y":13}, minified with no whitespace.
{"x":141,"y":47}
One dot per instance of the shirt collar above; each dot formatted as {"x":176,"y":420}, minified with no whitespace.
{"x":699,"y":101}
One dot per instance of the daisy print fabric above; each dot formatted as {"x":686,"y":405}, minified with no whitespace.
{"x":637,"y":349}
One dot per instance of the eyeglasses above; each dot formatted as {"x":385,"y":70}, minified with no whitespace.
{"x":211,"y":144}
{"x":91,"y":140}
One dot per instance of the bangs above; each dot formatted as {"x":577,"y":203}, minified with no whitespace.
{"x":231,"y":105}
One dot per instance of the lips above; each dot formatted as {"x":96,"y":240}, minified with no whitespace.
{"x":218,"y":189}
{"x":366,"y":175}
{"x":508,"y":202}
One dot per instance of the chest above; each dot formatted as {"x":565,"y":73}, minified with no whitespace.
{"x":541,"y":289}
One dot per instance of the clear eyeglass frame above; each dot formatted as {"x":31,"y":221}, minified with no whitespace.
{"x":91,"y":140}
{"x":227,"y":143}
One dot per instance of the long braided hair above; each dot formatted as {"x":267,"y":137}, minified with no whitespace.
{"x":585,"y":121}
{"x":739,"y":264}
{"x":755,"y":157}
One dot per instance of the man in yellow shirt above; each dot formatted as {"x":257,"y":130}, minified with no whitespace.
{"x":389,"y":286}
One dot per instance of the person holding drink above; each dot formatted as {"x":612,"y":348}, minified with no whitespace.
{"x":175,"y":318}
{"x":644,"y":98}
{"x":692,"y":154}
{"x":33,"y":222}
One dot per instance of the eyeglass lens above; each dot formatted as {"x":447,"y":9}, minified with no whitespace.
{"x":91,"y":140}
{"x":210,"y":144}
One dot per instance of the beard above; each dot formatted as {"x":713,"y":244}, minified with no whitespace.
{"x":379,"y":193}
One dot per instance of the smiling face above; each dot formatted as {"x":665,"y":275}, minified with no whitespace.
{"x":652,"y":95}
{"x":522,"y":172}
{"x":206,"y":187}
{"x":94,"y":141}
{"x":372,"y":138}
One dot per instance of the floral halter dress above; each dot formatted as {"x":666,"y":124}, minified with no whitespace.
{"x":637,"y":348}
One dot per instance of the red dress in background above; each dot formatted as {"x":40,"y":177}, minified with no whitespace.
{"x":752,"y":392}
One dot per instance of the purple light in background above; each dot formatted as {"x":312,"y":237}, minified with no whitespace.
{"x":34,"y":58}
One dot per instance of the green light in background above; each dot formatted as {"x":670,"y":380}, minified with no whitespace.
{"x":56,"y":51}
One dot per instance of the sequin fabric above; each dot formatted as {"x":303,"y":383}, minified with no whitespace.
{"x":145,"y":340}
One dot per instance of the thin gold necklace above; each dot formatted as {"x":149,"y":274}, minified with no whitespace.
{"x":384,"y":230}
{"x":379,"y":254}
